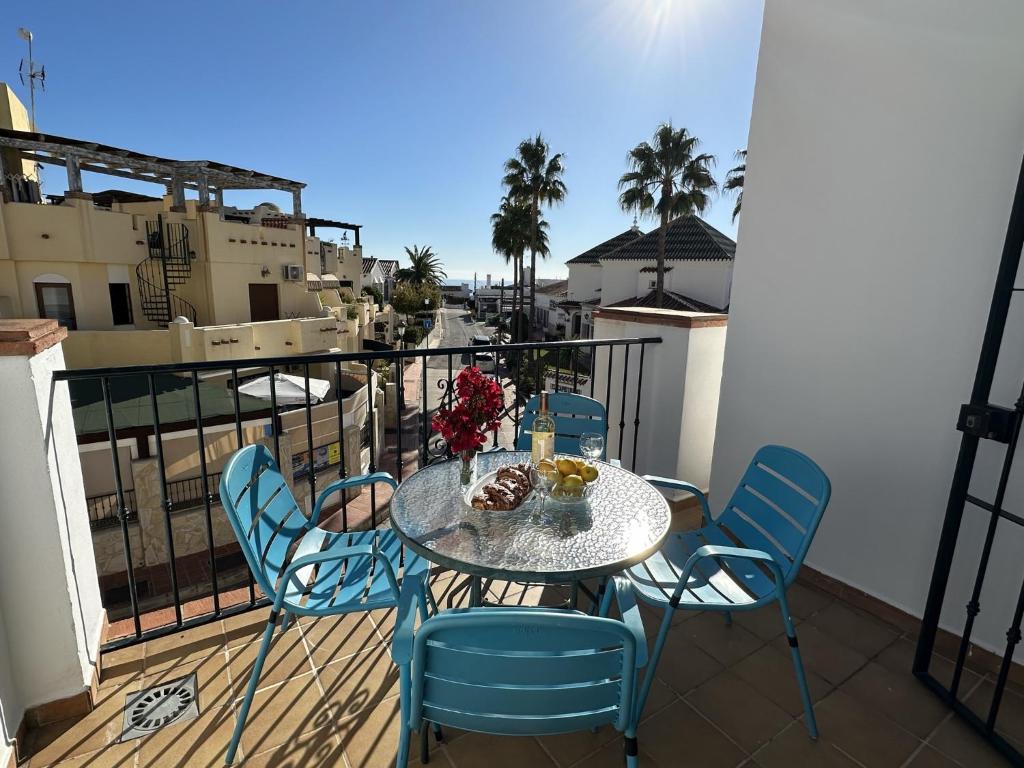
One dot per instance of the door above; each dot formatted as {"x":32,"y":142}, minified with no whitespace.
{"x":263,"y":304}
{"x":56,"y":302}
{"x":994,"y":705}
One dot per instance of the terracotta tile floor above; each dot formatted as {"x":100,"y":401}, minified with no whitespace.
{"x":725,"y":697}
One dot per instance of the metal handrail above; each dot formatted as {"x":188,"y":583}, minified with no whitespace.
{"x":342,"y":357}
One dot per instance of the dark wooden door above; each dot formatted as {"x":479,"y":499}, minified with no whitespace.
{"x":263,"y":304}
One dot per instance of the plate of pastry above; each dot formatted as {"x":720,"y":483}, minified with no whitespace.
{"x":503,"y":490}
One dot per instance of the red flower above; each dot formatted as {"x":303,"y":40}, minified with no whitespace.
{"x":477,"y":412}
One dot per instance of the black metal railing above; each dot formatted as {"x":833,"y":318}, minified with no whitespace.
{"x":188,"y":493}
{"x":168,"y":266}
{"x":424,"y":381}
{"x":103,"y":509}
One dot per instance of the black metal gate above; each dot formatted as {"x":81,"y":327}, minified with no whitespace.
{"x":981,"y":420}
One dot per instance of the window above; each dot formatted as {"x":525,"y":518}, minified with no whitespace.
{"x":652,"y":284}
{"x":121,"y":303}
{"x":55,"y":302}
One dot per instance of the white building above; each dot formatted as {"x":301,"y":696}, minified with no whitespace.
{"x":621,"y":272}
{"x":551,"y":317}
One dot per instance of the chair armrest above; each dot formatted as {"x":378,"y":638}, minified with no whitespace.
{"x":681,"y":485}
{"x":408,"y":603}
{"x":631,"y":616}
{"x":714,"y":550}
{"x":349,"y":482}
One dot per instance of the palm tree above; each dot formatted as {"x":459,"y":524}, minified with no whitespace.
{"x":535,"y":178}
{"x":734,"y":180}
{"x":511,"y":235}
{"x":667,"y":180}
{"x":425,"y":267}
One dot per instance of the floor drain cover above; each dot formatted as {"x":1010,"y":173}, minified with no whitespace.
{"x":152,"y":709}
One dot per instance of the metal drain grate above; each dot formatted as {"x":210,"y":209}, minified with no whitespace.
{"x":152,"y":709}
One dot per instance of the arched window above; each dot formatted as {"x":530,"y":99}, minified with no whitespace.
{"x":55,"y":300}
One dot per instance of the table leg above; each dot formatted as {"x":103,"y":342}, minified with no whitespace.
{"x":474,"y":592}
{"x":574,"y":595}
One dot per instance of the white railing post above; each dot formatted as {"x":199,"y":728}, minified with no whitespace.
{"x":679,"y":397}
{"x":49,"y":592}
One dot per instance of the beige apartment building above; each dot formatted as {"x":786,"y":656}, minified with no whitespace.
{"x":116,"y":262}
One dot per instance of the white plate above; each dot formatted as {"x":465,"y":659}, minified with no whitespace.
{"x":477,"y":487}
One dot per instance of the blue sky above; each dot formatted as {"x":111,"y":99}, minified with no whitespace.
{"x":399,"y":115}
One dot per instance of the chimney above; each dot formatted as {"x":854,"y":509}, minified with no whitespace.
{"x":488,"y":283}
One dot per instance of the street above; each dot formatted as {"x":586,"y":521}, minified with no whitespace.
{"x":457,"y":329}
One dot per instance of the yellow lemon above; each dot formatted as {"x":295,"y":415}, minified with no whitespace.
{"x":546,"y":465}
{"x":566,"y":466}
{"x":589,"y":474}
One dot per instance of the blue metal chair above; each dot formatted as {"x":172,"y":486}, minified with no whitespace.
{"x":512,"y":671}
{"x":304,"y":569}
{"x":743,"y":559}
{"x":573,"y":415}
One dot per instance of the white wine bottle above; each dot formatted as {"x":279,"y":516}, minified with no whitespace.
{"x":542,"y":445}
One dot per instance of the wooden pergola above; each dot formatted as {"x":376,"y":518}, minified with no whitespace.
{"x":204,"y":176}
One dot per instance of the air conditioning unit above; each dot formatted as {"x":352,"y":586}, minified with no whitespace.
{"x":293,"y":272}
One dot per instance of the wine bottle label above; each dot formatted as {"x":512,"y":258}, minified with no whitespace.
{"x":542,"y":446}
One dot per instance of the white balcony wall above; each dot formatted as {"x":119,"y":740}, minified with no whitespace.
{"x":49,"y":595}
{"x":884,"y":149}
{"x":678,"y":402}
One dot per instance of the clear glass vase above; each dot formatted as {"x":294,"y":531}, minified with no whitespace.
{"x":467,"y":466}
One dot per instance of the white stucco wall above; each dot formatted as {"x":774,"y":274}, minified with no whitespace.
{"x":49,"y":594}
{"x":584,"y":280}
{"x":679,"y":400}
{"x":884,"y":148}
{"x":11,"y":707}
{"x":707,"y":281}
{"x":619,"y":279}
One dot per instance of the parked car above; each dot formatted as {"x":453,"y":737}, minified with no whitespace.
{"x":485,"y":361}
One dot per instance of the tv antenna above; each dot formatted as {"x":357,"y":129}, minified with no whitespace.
{"x":32,"y":75}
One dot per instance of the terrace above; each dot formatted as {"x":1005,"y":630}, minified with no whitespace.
{"x":855,"y":337}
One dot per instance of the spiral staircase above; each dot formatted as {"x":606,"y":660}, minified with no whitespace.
{"x":168,"y":266}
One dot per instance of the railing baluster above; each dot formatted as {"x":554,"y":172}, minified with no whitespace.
{"x":451,"y":384}
{"x":515,"y":420}
{"x":636,"y":413}
{"x":206,"y":492}
{"x":309,"y":442}
{"x":608,"y":385}
{"x":371,"y":390}
{"x":238,"y":441}
{"x":622,"y":410}
{"x":558,"y":369}
{"x":273,"y":417}
{"x":425,"y":418}
{"x":592,"y":368}
{"x":400,"y":397}
{"x":343,"y":468}
{"x":122,"y":513}
{"x":574,"y":357}
{"x":165,"y":502}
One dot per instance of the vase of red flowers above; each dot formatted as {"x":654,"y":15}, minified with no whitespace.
{"x":465,"y":425}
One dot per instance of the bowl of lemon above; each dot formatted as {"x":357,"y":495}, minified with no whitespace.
{"x":573,"y":477}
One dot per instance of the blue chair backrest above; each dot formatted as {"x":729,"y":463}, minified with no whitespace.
{"x":522,"y":671}
{"x":262,"y":512}
{"x":573,"y":415}
{"x":777,"y":505}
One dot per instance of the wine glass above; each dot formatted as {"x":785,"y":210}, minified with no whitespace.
{"x":543,"y":479}
{"x":592,"y":445}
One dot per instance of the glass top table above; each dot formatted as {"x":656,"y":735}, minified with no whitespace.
{"x":623,"y":521}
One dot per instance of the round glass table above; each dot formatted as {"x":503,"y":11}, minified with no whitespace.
{"x":622,"y":522}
